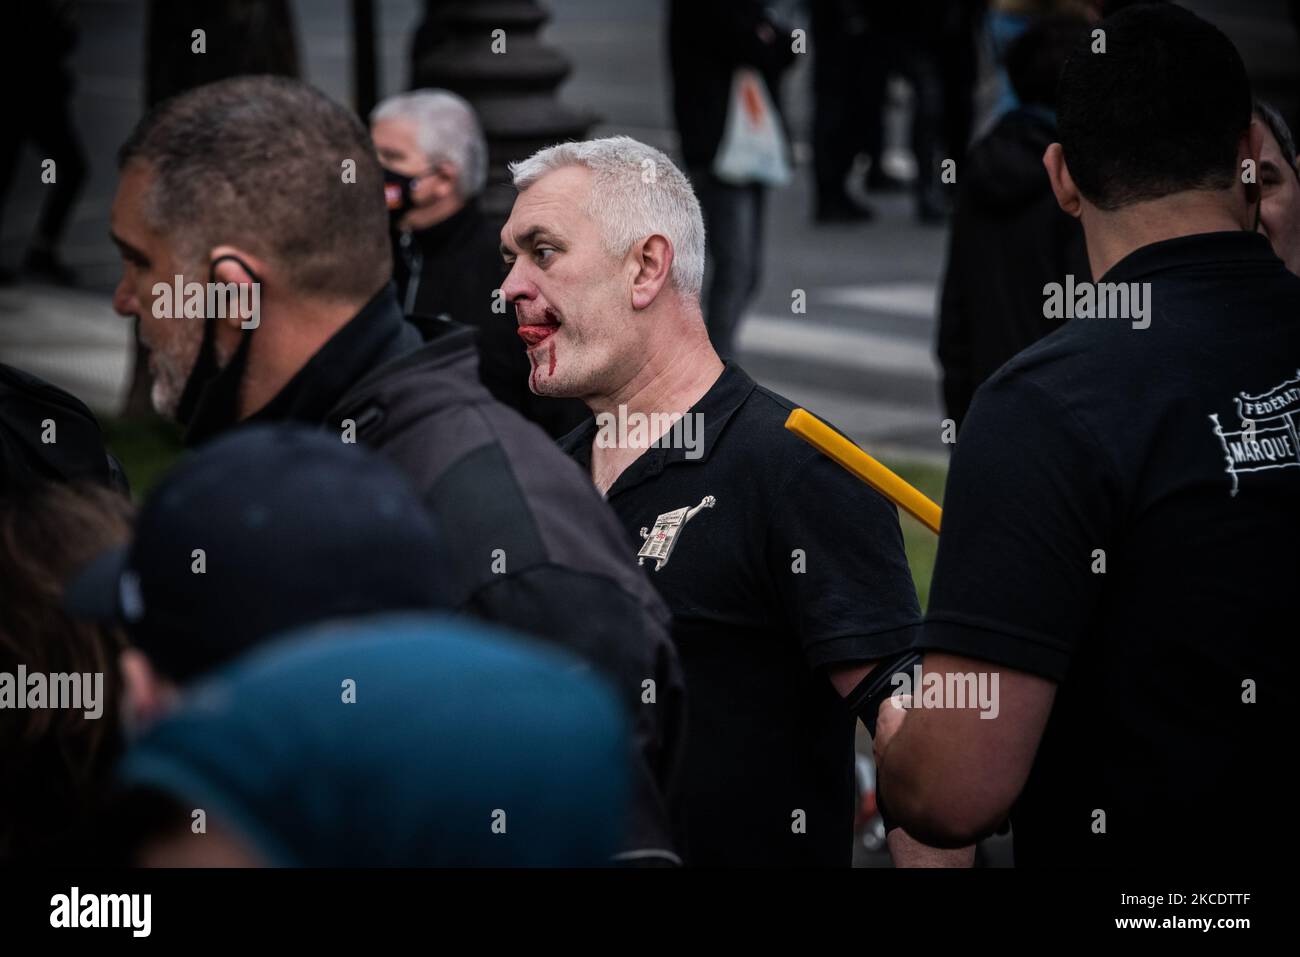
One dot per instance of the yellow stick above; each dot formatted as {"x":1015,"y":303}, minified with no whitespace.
{"x":839,"y":449}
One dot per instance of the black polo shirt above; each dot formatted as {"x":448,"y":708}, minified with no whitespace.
{"x":791,"y":565}
{"x":1170,"y":454}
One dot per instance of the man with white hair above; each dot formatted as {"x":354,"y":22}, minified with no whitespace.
{"x":445,"y":260}
{"x":785,"y":575}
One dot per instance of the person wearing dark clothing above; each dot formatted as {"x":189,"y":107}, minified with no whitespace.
{"x":532,"y":545}
{"x":959,"y":33}
{"x":740,"y":525}
{"x":848,"y":91}
{"x":446,"y":251}
{"x":239,"y":38}
{"x":1009,"y":237}
{"x":911,"y":40}
{"x":1119,"y":526}
{"x":536,"y":549}
{"x":37,"y":39}
{"x":706,"y":43}
{"x":757,"y":632}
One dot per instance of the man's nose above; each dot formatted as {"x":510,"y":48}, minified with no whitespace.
{"x":515,"y":286}
{"x":124,"y":300}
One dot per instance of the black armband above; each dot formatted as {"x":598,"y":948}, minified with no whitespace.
{"x":864,"y":700}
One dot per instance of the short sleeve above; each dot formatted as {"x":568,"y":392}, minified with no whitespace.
{"x":835,"y":555}
{"x":1027,"y":512}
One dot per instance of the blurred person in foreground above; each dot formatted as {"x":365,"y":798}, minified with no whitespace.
{"x":445,"y":259}
{"x":47,"y":434}
{"x":269,"y":196}
{"x":277,"y":528}
{"x":1009,"y":237}
{"x":393,"y":741}
{"x":61,"y":501}
{"x":265,"y":529}
{"x":1121,"y":514}
{"x":60,"y":693}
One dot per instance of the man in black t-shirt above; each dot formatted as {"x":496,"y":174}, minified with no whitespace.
{"x":1120,"y":534}
{"x":786,"y":576}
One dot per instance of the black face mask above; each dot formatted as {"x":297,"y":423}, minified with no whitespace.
{"x":397,"y":193}
{"x":210,"y":401}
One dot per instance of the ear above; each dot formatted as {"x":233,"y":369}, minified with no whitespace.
{"x":146,"y":695}
{"x":234,"y":266}
{"x":1067,"y":194}
{"x":653,"y":257}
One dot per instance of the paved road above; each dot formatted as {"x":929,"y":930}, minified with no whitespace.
{"x":861,"y":355}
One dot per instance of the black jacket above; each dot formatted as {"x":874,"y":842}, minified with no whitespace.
{"x":1009,"y":238}
{"x":451,"y":270}
{"x":532,"y":546}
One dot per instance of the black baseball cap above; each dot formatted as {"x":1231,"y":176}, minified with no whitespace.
{"x":31,"y":454}
{"x":266,"y":529}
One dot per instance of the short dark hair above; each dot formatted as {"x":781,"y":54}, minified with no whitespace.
{"x":1160,"y":112}
{"x":260,"y":161}
{"x":1035,"y":58}
{"x":1270,"y":117}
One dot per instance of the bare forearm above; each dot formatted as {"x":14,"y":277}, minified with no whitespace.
{"x":907,"y":851}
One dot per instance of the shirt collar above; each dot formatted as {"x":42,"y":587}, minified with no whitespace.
{"x":1190,"y":251}
{"x":716,"y":406}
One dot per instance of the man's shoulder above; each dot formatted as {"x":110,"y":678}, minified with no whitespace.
{"x":1080,"y":354}
{"x":512,"y":499}
{"x":429,"y":411}
{"x":760,"y":421}
{"x":784,"y":467}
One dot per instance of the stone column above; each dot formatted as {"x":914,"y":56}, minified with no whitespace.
{"x":489,"y":52}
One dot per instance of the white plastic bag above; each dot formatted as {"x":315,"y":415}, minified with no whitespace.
{"x":753,"y":147}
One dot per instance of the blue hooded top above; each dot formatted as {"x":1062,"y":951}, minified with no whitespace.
{"x":407,"y":740}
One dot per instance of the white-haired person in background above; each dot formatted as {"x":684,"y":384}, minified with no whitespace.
{"x":445,"y":258}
